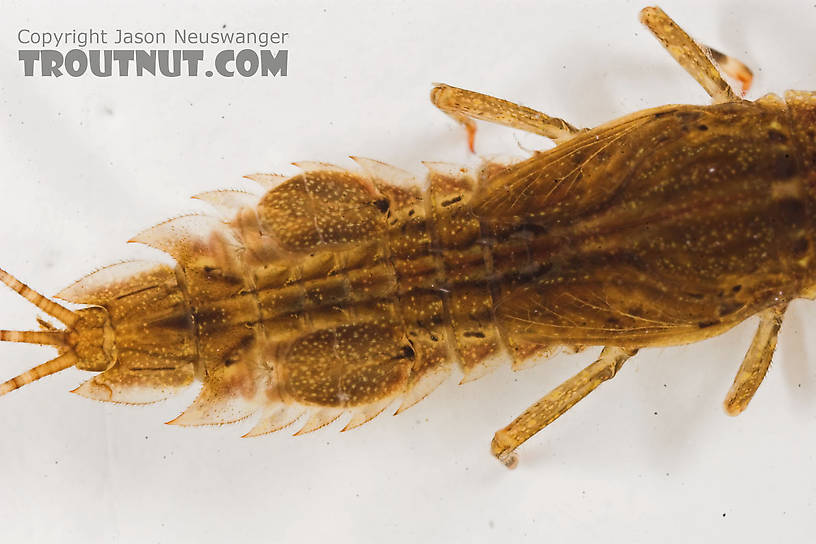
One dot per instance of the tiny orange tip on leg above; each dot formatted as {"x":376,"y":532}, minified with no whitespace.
{"x":735,"y":68}
{"x":471,"y":131}
{"x":746,"y":84}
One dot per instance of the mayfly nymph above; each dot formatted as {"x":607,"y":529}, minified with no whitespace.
{"x":337,"y":291}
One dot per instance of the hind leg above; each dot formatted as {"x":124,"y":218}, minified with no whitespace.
{"x":756,"y":362}
{"x":464,"y":106}
{"x":557,"y":401}
{"x":695,"y":58}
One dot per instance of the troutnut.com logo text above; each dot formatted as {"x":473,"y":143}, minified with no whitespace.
{"x":217,"y":53}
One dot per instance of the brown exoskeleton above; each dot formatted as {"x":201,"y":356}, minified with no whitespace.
{"x":664,"y":227}
{"x":338,"y":291}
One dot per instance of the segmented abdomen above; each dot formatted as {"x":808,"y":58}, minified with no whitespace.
{"x":340,"y":291}
{"x":336,"y":291}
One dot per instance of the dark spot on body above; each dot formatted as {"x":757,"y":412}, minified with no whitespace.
{"x":214,"y":273}
{"x":411,"y":212}
{"x":702,"y":127}
{"x":473,"y":334}
{"x":181,"y":322}
{"x":454,"y":200}
{"x":406,"y":353}
{"x":776,"y":136}
{"x":534,"y":228}
{"x":382,"y":204}
{"x":706,"y":324}
{"x":727,"y":308}
{"x":736,"y":288}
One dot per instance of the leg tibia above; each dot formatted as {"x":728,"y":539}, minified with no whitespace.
{"x":557,"y":401}
{"x":688,"y":53}
{"x":756,"y":361}
{"x":464,"y":106}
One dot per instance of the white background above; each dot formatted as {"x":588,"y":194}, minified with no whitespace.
{"x":86,"y":163}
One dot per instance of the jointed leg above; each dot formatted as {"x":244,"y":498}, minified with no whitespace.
{"x":691,"y":55}
{"x":756,"y":361}
{"x":557,"y":401}
{"x":464,"y":106}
